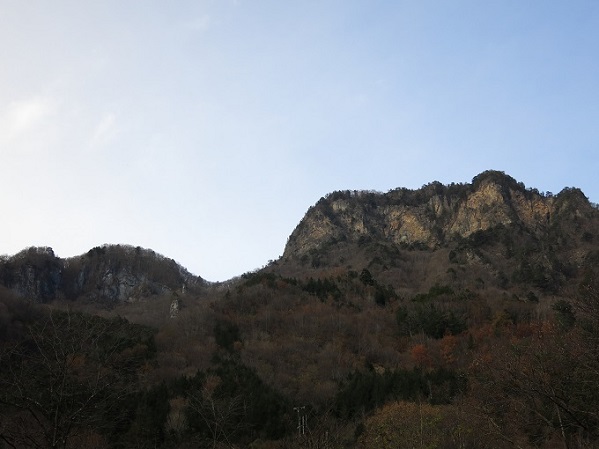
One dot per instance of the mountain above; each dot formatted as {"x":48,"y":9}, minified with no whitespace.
{"x":451,"y":316}
{"x":493,"y":232}
{"x":436,"y":215}
{"x":109,"y":273}
{"x":506,"y":234}
{"x":494,"y":224}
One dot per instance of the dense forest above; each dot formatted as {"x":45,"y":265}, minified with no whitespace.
{"x":488,"y":339}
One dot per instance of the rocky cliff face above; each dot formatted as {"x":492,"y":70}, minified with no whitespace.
{"x":109,"y":273}
{"x":434,"y":214}
{"x":32,"y":273}
{"x":431,"y":217}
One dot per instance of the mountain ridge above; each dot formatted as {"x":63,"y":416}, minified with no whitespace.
{"x":115,"y":273}
{"x":433,"y":217}
{"x":434,"y":214}
{"x":495,"y":302}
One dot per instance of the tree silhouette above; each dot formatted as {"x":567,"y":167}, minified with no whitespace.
{"x":71,"y":373}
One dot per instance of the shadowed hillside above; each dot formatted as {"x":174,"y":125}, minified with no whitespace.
{"x":109,"y":273}
{"x":460,"y":316}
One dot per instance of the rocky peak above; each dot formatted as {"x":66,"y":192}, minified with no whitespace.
{"x":112,"y":273}
{"x":432,"y":215}
{"x":34,"y":272}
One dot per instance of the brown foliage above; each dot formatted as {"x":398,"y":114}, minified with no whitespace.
{"x":421,"y":425}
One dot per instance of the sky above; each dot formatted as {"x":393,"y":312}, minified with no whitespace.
{"x":205,"y":129}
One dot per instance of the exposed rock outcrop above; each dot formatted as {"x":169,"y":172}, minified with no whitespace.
{"x":434,"y":214}
{"x":112,"y":273}
{"x":33,"y":273}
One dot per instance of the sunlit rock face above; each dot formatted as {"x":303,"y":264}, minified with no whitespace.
{"x":434,"y":214}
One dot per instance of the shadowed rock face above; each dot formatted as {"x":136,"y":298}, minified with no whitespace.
{"x":33,"y":273}
{"x":108,"y":273}
{"x":434,"y":214}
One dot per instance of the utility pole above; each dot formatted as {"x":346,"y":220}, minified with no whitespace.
{"x":301,"y":420}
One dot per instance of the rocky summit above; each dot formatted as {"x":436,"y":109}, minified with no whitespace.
{"x":436,"y":214}
{"x":494,"y":221}
{"x":109,"y":273}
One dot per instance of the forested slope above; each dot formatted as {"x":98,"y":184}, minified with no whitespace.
{"x":461,"y":316}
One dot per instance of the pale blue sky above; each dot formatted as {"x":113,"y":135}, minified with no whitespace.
{"x":205,"y":129}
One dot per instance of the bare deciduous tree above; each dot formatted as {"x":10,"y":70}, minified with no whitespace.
{"x":221,"y":417}
{"x":64,"y":378}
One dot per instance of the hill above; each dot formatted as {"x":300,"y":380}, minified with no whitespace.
{"x":493,"y":232}
{"x":475,"y":304}
{"x":109,"y":273}
{"x":436,"y":215}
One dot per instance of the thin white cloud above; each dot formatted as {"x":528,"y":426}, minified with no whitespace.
{"x":24,"y":116}
{"x":104,"y":132}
